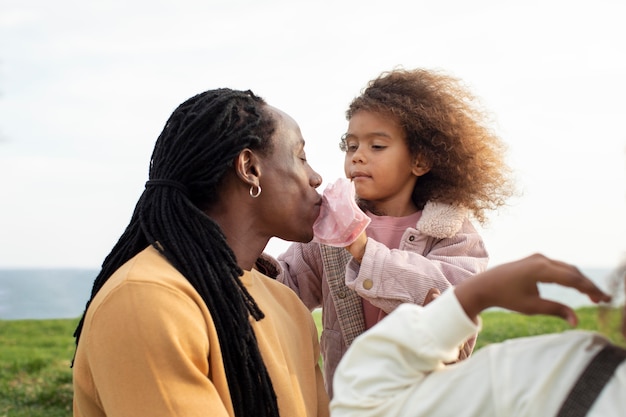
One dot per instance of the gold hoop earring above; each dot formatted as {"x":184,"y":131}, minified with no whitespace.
{"x":258,"y":191}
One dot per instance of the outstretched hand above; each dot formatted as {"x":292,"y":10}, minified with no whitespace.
{"x":514,"y":286}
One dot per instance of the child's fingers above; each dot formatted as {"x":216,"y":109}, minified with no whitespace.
{"x":431,"y":295}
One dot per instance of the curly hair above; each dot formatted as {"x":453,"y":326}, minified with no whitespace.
{"x":194,"y":151}
{"x":445,"y":125}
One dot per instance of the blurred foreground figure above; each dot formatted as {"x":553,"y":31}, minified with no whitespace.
{"x":386,"y":373}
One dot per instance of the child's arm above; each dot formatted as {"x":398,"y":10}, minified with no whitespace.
{"x":388,"y":277}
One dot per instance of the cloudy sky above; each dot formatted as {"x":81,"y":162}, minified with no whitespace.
{"x":86,"y":87}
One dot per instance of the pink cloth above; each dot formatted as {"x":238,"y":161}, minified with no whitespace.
{"x":341,"y":220}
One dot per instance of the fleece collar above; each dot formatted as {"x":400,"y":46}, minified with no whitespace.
{"x":441,"y":220}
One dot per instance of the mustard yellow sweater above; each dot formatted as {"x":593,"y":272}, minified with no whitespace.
{"x":149,"y":348}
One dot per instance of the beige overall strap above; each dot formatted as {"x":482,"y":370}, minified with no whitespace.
{"x":348,"y":303}
{"x":592,"y":381}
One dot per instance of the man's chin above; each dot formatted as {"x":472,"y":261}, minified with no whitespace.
{"x":301,"y":238}
{"x":307,"y":238}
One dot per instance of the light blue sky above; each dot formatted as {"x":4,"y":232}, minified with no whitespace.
{"x":86,"y":86}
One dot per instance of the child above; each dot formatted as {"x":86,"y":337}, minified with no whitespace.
{"x":422,"y":161}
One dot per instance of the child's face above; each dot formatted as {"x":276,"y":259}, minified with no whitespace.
{"x":380,"y":164}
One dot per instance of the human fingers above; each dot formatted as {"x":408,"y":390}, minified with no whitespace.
{"x":561,"y":273}
{"x":514,"y":285}
{"x":549,"y":307}
{"x":431,"y":295}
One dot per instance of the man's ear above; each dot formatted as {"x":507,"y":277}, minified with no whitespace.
{"x":248,"y":167}
{"x":420,"y":166}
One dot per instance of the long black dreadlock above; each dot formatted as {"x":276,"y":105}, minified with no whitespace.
{"x":197,"y":147}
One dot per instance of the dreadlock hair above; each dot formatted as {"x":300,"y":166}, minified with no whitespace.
{"x":196,"y":148}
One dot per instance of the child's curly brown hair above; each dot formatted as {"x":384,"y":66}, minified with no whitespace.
{"x":445,"y":126}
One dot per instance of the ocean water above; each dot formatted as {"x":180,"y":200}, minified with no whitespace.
{"x":44,"y":293}
{"x":63,"y":293}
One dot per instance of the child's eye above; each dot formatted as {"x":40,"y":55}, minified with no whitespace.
{"x":378,"y":147}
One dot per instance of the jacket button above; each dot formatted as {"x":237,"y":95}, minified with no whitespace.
{"x":341,"y":294}
{"x":368,"y":284}
{"x":411,"y":238}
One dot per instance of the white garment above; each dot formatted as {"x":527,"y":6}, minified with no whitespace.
{"x":386,"y":373}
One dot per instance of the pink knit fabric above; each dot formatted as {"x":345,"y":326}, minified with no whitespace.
{"x":340,"y":221}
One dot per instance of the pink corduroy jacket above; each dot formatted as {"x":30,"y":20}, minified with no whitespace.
{"x":442,"y":250}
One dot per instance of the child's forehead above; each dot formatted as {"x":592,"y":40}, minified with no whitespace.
{"x":374,"y":116}
{"x":379,"y":110}
{"x":366,"y":118}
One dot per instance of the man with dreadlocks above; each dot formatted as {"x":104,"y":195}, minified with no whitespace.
{"x":183,"y":319}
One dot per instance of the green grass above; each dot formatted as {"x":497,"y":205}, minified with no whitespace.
{"x":35,"y":355}
{"x":502,"y":325}
{"x":35,"y":374}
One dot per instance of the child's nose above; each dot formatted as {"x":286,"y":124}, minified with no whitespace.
{"x":358,"y":156}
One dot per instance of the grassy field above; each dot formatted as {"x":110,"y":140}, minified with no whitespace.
{"x":35,"y":355}
{"x":35,"y":374}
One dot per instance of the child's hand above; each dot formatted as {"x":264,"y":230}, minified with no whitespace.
{"x":431,"y":295}
{"x":341,"y":222}
{"x":357,"y":248}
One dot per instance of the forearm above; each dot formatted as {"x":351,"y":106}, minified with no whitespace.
{"x":399,"y":352}
{"x":387,"y":278}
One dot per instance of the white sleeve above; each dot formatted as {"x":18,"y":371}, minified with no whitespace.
{"x":384,"y":368}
